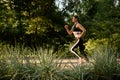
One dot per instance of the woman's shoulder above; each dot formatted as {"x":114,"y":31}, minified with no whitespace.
{"x":78,"y":24}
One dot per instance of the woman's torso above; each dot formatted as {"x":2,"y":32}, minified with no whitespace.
{"x":76,"y":31}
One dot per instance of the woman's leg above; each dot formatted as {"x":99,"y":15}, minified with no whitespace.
{"x":75,"y":46}
{"x":82,"y":48}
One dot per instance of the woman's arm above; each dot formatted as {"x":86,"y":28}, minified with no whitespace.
{"x":82,"y":29}
{"x":68,"y":31}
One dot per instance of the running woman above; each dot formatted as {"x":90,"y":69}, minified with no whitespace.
{"x":79,"y":32}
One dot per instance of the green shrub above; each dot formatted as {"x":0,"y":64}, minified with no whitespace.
{"x":15,"y":65}
{"x":106,"y":65}
{"x":80,"y":72}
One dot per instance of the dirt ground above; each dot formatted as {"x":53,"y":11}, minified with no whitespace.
{"x":65,"y":63}
{"x":68,"y":63}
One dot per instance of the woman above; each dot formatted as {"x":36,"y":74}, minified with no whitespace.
{"x":79,"y":32}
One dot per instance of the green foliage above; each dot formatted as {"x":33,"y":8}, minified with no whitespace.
{"x":92,"y":44}
{"x":106,"y":65}
{"x":15,"y":63}
{"x":99,"y":17}
{"x":26,"y":64}
{"x":80,"y":72}
{"x":41,"y":23}
{"x":31,"y":23}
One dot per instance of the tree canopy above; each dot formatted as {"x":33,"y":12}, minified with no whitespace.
{"x":41,"y":22}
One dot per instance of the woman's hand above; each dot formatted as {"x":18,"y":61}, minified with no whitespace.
{"x":66,"y":26}
{"x":68,"y":31}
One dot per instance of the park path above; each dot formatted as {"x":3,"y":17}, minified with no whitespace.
{"x":68,"y":63}
{"x":64,"y":63}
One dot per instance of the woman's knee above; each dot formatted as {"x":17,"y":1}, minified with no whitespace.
{"x":71,"y":49}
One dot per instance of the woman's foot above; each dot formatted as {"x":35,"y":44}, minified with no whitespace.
{"x":80,"y":60}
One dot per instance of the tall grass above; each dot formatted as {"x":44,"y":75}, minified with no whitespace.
{"x":19,"y":63}
{"x":105,"y":64}
{"x":79,"y":72}
{"x":16,"y":65}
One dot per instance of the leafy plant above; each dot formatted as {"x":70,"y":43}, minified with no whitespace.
{"x":106,"y":65}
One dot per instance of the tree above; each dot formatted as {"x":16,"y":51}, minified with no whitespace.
{"x":32,"y":22}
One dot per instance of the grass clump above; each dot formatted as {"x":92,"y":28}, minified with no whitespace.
{"x":80,"y":72}
{"x":105,"y":64}
{"x":16,"y":65}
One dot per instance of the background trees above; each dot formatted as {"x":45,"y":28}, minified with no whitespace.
{"x":40,"y":22}
{"x":99,"y":17}
{"x":31,"y":22}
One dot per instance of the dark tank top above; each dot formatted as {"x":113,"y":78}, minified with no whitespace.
{"x":74,"y":28}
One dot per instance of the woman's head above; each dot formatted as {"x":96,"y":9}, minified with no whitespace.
{"x":75,"y":18}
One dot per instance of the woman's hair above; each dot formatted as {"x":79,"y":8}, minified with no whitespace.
{"x":76,"y":17}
